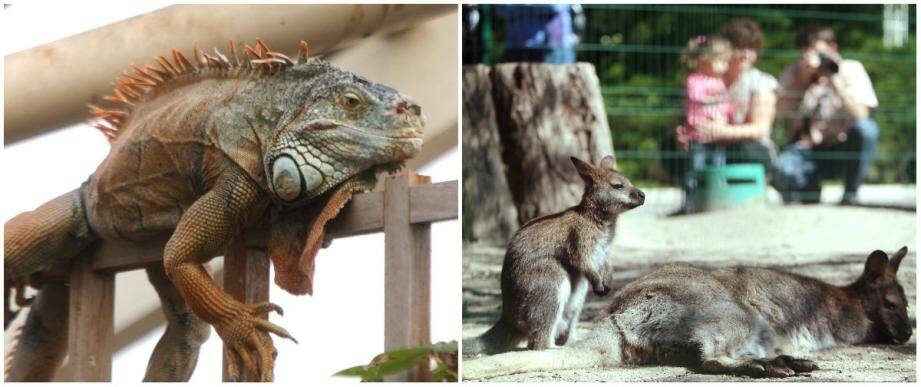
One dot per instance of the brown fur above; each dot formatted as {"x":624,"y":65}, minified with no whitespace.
{"x":552,"y":260}
{"x":739,"y":320}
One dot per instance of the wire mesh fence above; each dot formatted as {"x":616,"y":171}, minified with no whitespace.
{"x":637,"y":49}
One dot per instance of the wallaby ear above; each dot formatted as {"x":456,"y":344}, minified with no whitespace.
{"x":896,"y":259}
{"x":608,"y":162}
{"x":876,"y":265}
{"x":584,"y":169}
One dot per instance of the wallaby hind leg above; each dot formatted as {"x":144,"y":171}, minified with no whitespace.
{"x":42,"y":344}
{"x":734,"y":330}
{"x":542,"y":321}
{"x":540,"y":338}
{"x":176,"y":354}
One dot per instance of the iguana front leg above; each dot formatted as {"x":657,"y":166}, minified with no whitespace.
{"x":204,"y":230}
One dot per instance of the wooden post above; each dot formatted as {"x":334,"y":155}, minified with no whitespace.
{"x":404,"y":212}
{"x":91,"y":332}
{"x":406,"y":272}
{"x":246,"y":279}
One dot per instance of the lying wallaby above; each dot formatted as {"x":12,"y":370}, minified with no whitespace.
{"x":738,"y":321}
{"x":553,"y":260}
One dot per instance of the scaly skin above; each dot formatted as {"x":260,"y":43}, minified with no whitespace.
{"x":42,"y":344}
{"x":201,"y":150}
{"x":176,"y":353}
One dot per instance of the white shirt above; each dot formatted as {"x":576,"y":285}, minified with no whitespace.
{"x":823,"y":105}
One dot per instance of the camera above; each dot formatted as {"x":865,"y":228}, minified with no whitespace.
{"x":827,"y":65}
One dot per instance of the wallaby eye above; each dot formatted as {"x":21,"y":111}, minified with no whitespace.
{"x":351,"y":100}
{"x":888,"y":304}
{"x":617,"y":186}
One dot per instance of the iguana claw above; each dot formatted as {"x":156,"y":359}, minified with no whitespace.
{"x":247,"y":341}
{"x":20,"y":299}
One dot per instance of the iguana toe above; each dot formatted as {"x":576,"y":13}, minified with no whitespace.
{"x":247,"y":341}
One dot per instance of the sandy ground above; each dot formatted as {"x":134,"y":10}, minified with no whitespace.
{"x":825,"y":241}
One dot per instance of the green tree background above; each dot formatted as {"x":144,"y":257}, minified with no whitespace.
{"x":636,"y":51}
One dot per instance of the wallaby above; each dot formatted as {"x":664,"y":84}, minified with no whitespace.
{"x":738,"y":321}
{"x":553,"y":260}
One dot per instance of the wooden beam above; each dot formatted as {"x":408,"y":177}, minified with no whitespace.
{"x":363,"y":215}
{"x":407,"y":272}
{"x":404,"y":212}
{"x":30,"y":110}
{"x":91,"y":332}
{"x":246,"y":279}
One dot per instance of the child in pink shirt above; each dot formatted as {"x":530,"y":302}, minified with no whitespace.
{"x":707,"y":57}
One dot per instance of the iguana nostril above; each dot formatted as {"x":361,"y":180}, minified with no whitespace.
{"x":404,"y":107}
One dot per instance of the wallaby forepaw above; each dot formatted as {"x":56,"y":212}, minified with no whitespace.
{"x":602,"y":290}
{"x":797,"y":365}
{"x":779,"y":367}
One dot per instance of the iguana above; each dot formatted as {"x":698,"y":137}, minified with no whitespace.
{"x":199,"y":150}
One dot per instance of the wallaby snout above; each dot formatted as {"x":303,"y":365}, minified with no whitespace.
{"x":639,"y":197}
{"x":607,"y":189}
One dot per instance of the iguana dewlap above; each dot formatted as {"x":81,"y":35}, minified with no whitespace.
{"x":202,"y":148}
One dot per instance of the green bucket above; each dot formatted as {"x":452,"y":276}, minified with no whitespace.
{"x":729,"y":186}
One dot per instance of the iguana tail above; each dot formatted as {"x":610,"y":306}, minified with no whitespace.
{"x":599,"y":348}
{"x":34,"y":240}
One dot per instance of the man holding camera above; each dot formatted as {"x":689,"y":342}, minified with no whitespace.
{"x":829,"y":99}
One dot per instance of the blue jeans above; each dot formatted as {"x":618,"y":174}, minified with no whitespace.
{"x":798,"y":171}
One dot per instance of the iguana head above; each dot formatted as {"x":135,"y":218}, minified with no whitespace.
{"x":343,"y":124}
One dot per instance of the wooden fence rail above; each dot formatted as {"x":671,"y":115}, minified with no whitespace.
{"x":403,"y":211}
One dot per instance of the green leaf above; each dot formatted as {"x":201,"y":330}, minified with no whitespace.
{"x":399,"y":360}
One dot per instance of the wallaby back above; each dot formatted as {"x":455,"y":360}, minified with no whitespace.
{"x":732,"y":320}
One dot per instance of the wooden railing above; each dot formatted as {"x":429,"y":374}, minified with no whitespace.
{"x":403,"y":211}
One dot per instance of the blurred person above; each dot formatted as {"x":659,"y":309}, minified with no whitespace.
{"x":706,"y":97}
{"x":746,"y":137}
{"x":831,"y":99}
{"x":471,"y":28}
{"x":539,"y":33}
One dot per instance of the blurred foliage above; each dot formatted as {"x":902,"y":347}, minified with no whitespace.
{"x":636,"y":51}
{"x":443,"y":355}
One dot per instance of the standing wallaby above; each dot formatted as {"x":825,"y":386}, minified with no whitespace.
{"x":737,"y":321}
{"x":553,"y":260}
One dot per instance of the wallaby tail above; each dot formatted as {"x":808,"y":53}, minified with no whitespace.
{"x":599,"y":348}
{"x":553,"y":359}
{"x":500,"y":338}
{"x":53,"y":232}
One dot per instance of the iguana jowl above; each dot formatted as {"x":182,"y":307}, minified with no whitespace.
{"x":201,"y":149}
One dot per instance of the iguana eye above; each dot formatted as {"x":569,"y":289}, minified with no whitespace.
{"x":351,"y":100}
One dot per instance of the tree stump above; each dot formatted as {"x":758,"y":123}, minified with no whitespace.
{"x":545,"y":114}
{"x":489,"y":213}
